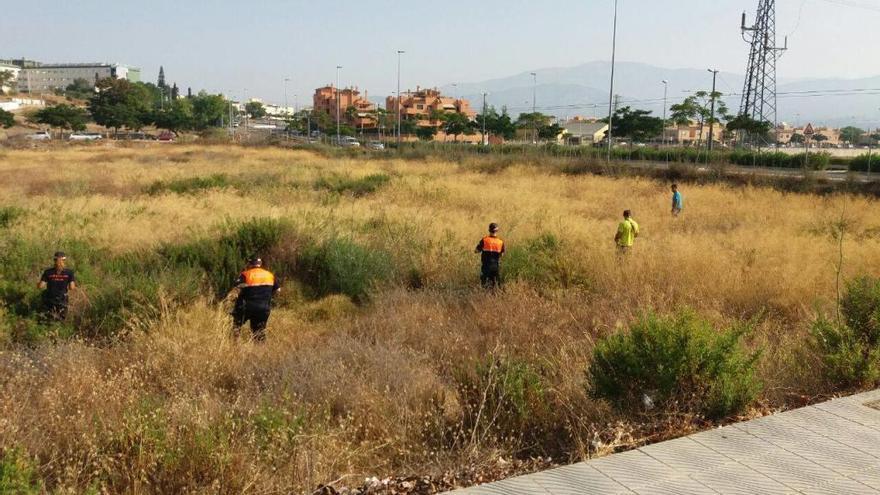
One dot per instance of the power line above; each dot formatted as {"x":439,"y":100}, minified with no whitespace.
{"x":853,"y":4}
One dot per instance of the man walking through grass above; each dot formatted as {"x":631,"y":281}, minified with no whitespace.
{"x":56,"y":282}
{"x":256,"y":287}
{"x":627,"y":231}
{"x":491,"y":249}
{"x":677,"y":201}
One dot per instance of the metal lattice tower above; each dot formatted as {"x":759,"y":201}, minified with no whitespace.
{"x":759,"y":90}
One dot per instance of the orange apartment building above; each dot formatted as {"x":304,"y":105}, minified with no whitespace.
{"x":363,"y":115}
{"x":417,"y":106}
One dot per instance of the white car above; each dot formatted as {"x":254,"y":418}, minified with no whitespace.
{"x":39,"y":136}
{"x":84,"y":136}
{"x":376,"y":145}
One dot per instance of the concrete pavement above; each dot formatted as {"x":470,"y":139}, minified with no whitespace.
{"x":827,"y":448}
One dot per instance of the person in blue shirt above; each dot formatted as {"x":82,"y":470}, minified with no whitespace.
{"x":677,"y":202}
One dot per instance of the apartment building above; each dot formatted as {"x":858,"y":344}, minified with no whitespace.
{"x":693,"y":133}
{"x":354,"y":109}
{"x":37,"y":77}
{"x":418,"y":106}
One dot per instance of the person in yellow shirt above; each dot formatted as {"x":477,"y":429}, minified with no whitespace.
{"x":627,"y":231}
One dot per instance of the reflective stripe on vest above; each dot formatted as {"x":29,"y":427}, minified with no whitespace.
{"x":492,"y":244}
{"x":256,"y":277}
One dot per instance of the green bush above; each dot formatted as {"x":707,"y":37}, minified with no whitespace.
{"x":189,"y":185}
{"x":679,"y":362}
{"x":342,"y":266}
{"x":18,"y":475}
{"x":355,"y":187}
{"x":504,"y":398}
{"x":850,"y":349}
{"x":863,"y":163}
{"x":8,"y":215}
{"x":539,"y":261}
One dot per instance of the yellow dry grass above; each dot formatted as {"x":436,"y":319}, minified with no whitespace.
{"x":341,"y":392}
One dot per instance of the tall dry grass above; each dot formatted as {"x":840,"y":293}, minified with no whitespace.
{"x":408,"y":382}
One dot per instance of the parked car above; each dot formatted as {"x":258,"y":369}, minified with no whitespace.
{"x":84,"y":136}
{"x":346,"y":142}
{"x":166,"y":137}
{"x":376,"y":145}
{"x":39,"y":136}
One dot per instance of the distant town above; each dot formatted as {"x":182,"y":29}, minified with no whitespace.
{"x":422,"y":113}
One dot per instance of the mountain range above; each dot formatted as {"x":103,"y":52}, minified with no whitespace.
{"x":583,"y":90}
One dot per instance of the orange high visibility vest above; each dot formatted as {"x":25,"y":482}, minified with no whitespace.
{"x":256,"y":277}
{"x":492,"y":244}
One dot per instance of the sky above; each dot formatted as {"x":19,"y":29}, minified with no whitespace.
{"x":249,"y":47}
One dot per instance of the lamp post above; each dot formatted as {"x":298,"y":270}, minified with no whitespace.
{"x":485,"y":141}
{"x":712,"y":112}
{"x":338,"y":140}
{"x":399,"y":53}
{"x":286,"y":115}
{"x":665,"y":92}
{"x":534,"y":107}
{"x":611,"y":89}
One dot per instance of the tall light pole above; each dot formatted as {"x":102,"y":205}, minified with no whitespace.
{"x":611,"y":89}
{"x":534,"y":107}
{"x":246,"y":116}
{"x":338,"y":140}
{"x":485,"y":141}
{"x":286,"y":80}
{"x":399,"y":53}
{"x":286,"y":114}
{"x":665,"y":92}
{"x":712,"y":111}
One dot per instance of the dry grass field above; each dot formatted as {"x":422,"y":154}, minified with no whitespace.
{"x":384,"y":357}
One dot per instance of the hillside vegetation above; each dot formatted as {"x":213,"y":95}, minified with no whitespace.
{"x":384,"y":357}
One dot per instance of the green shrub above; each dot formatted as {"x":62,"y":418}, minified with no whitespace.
{"x":850,"y":349}
{"x":863,"y":163}
{"x":189,"y":185}
{"x":342,"y":266}
{"x":679,"y":362}
{"x":8,"y":215}
{"x":504,"y":398}
{"x":355,"y":187}
{"x":539,"y":261}
{"x":18,"y":475}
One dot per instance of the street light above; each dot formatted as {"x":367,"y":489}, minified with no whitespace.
{"x":399,"y":53}
{"x":611,"y":89}
{"x":338,"y":140}
{"x":712,"y":118}
{"x":485,"y":141}
{"x":286,"y":116}
{"x":665,"y":91}
{"x":534,"y":99}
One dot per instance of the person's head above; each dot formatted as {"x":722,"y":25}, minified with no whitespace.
{"x":494,"y":228}
{"x":627,"y":213}
{"x":674,"y":187}
{"x":60,"y":259}
{"x":255,"y":262}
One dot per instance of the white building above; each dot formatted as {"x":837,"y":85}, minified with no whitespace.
{"x":37,"y":77}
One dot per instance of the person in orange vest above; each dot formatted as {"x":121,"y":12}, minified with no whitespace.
{"x":491,"y":249}
{"x":256,"y":287}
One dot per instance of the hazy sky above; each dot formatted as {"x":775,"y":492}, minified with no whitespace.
{"x":228,"y":46}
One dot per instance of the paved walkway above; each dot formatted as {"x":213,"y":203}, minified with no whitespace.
{"x":828,"y":448}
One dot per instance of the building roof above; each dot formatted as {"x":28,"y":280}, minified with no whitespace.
{"x":583,"y":128}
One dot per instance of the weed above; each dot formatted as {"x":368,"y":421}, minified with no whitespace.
{"x":355,"y":187}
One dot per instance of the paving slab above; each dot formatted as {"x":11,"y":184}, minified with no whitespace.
{"x":827,"y":448}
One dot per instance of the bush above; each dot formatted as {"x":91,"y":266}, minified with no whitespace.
{"x":355,"y":187}
{"x":504,"y":398}
{"x":863,"y":163}
{"x":189,"y":185}
{"x":18,"y":475}
{"x":8,"y":215}
{"x":341,"y":266}
{"x":849,"y":349}
{"x":538,"y":261}
{"x":679,"y":362}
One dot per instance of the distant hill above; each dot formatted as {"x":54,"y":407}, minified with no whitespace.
{"x":583,"y":90}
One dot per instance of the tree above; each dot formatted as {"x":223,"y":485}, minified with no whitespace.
{"x":7,"y":119}
{"x":80,"y":88}
{"x":7,"y":80}
{"x":698,"y":108}
{"x":178,"y":116}
{"x":121,"y":103}
{"x":426,"y":133}
{"x":208,"y":110}
{"x":797,"y":139}
{"x":549,"y":132}
{"x":255,"y":109}
{"x":61,"y":116}
{"x":503,"y":125}
{"x":637,"y":125}
{"x":851,"y":134}
{"x":456,"y":124}
{"x":748,"y":126}
{"x":819,"y":138}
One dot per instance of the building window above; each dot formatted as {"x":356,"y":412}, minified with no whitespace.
{"x":420,"y":107}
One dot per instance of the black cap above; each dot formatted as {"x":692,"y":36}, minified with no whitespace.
{"x":493,"y":227}
{"x":255,"y":260}
{"x":60,"y":255}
